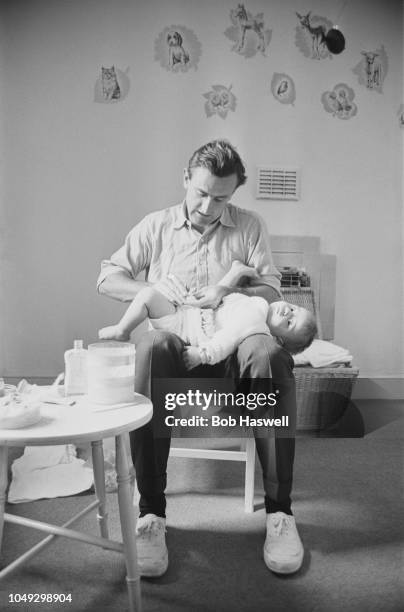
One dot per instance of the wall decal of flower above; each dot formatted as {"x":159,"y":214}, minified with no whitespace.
{"x":177,"y":49}
{"x":283,"y":88}
{"x":248,"y":32}
{"x":219,"y":101}
{"x":339,"y":101}
{"x":372,"y":69}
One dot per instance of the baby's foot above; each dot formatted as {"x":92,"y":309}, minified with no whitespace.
{"x":113,"y":332}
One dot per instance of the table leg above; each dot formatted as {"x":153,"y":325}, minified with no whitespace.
{"x":128,"y":525}
{"x":99,"y":485}
{"x":3,"y":486}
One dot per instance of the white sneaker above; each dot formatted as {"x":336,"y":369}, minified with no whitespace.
{"x":283,"y":548}
{"x":151,"y":546}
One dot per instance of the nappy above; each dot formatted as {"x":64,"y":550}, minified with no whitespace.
{"x":193,"y":325}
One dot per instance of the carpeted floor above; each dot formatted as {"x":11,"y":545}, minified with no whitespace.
{"x":347,"y":502}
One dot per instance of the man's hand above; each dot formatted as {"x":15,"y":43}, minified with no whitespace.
{"x":192,"y":357}
{"x":208,"y":297}
{"x":172,"y":288}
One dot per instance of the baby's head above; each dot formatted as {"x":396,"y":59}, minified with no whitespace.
{"x":293,"y":326}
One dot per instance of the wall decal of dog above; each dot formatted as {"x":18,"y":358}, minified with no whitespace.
{"x":176,"y":51}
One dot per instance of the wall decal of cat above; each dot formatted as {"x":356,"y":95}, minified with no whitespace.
{"x":111,"y":86}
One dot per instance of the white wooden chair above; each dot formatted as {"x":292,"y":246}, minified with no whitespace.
{"x":246,"y":454}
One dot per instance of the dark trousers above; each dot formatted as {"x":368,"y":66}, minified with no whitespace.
{"x":263,"y":365}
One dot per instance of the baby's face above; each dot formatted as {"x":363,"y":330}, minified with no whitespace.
{"x":286,"y":320}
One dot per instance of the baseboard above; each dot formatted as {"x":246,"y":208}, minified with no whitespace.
{"x":383,"y":387}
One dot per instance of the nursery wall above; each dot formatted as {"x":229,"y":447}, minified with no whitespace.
{"x":80,"y":173}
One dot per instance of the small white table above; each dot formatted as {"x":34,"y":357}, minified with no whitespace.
{"x":84,"y":422}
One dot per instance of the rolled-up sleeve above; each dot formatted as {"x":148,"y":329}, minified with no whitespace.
{"x":133,"y":257}
{"x":260,"y":255}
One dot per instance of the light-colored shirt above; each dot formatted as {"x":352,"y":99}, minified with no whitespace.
{"x":164,"y":242}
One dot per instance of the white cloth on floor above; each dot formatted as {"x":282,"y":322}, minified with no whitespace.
{"x":48,"y":471}
{"x":321,"y":354}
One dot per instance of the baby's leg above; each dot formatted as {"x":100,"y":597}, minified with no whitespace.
{"x":147,"y":303}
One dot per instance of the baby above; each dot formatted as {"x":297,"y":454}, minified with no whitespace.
{"x":212,"y":335}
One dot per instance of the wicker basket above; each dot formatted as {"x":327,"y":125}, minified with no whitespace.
{"x":323,"y":394}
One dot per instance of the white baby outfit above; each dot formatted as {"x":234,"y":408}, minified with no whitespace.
{"x":218,"y":331}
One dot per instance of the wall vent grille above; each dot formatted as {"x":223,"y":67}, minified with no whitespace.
{"x":278,"y":183}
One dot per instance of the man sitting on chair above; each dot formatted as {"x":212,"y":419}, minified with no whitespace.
{"x":197,"y":241}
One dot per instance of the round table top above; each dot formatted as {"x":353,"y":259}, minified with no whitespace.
{"x":82,"y":422}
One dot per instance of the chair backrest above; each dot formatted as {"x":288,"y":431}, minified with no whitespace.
{"x":305,"y":297}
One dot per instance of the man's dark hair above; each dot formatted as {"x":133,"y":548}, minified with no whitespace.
{"x":220,"y":158}
{"x":307,"y":333}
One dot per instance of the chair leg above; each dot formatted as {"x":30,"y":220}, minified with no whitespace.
{"x":99,"y":485}
{"x":3,"y":486}
{"x":128,"y":525}
{"x":249,"y":475}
